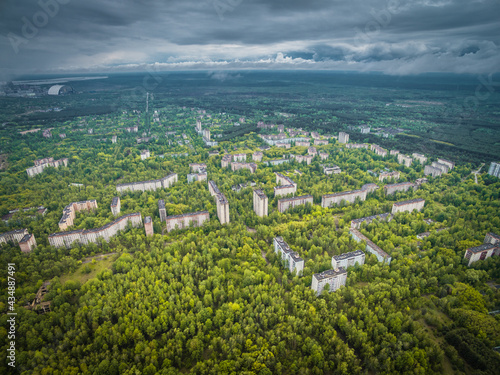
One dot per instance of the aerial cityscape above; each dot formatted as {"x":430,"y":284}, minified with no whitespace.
{"x":242,"y":214}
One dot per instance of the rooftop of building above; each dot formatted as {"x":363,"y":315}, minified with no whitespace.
{"x":398,"y":184}
{"x":147,"y":220}
{"x":161,"y":204}
{"x":15,"y":231}
{"x":295,"y":198}
{"x":260,"y":193}
{"x":494,"y":235}
{"x":328,"y":274}
{"x":190,"y":214}
{"x":343,"y":193}
{"x":115,"y":201}
{"x":221,"y":198}
{"x":351,"y":254}
{"x":26,"y":238}
{"x":481,"y":248}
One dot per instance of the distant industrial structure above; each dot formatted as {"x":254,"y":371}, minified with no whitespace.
{"x":41,"y":164}
{"x":60,"y":90}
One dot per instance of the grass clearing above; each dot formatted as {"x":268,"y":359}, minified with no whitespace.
{"x":82,"y":277}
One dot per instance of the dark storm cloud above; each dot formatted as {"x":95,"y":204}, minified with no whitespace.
{"x":396,"y":36}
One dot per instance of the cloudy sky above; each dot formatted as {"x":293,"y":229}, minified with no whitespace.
{"x":393,"y":36}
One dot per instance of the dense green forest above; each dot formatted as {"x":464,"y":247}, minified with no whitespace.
{"x":216,"y":299}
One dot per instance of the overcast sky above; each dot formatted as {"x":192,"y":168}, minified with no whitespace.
{"x":393,"y":36}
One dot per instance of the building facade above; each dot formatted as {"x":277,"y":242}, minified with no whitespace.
{"x":145,"y":154}
{"x":333,"y":278}
{"x":115,"y":206}
{"x":481,"y":252}
{"x":69,"y":212}
{"x":494,"y":169}
{"x":195,"y":219}
{"x":347,"y":260}
{"x":87,"y":236}
{"x":257,"y":156}
{"x":151,"y":185}
{"x":408,"y":206}
{"x":27,"y":243}
{"x":370,"y":188}
{"x":41,"y":164}
{"x":419,"y":157}
{"x":252,"y":167}
{"x":148,"y":226}
{"x":433,"y":171}
{"x":162,"y":211}
{"x":381,"y":255}
{"x":388,"y":175}
{"x":402,"y":186}
{"x":286,"y":203}
{"x":285,"y":185}
{"x":290,"y":258}
{"x":405,"y":160}
{"x":379,"y":150}
{"x":226,"y":160}
{"x":334,"y":169}
{"x":260,"y":203}
{"x":335,"y":199}
{"x":222,"y":208}
{"x":343,"y":137}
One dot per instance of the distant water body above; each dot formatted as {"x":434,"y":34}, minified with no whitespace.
{"x":54,"y":81}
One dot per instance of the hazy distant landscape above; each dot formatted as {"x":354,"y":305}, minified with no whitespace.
{"x":431,"y":108}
